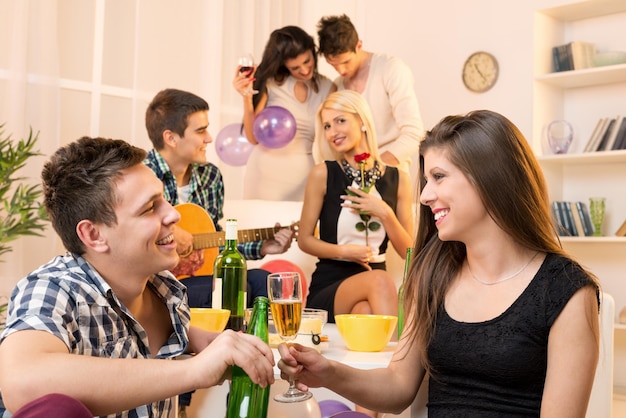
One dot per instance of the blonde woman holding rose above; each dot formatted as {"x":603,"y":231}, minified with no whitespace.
{"x":361,"y":204}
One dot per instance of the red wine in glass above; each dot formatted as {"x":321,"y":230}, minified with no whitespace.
{"x":246,"y":66}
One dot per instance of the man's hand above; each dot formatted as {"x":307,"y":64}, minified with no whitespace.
{"x":187,"y":266}
{"x":279,"y":244}
{"x":213,"y":364}
{"x":184,"y":241}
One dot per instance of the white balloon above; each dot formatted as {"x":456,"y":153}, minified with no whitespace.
{"x":305,"y":409}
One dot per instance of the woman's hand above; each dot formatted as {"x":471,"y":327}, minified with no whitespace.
{"x":305,"y":364}
{"x":243,"y":81}
{"x":365,"y":203}
{"x":360,"y":254}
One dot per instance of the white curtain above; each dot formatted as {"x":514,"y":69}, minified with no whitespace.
{"x":29,"y":90}
{"x":70,"y":68}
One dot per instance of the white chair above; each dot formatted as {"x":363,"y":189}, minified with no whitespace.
{"x":174,"y":411}
{"x":601,"y":401}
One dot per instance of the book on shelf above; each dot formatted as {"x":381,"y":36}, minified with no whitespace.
{"x":620,"y":139}
{"x":609,"y":134}
{"x":605,"y":135}
{"x":564,"y":226}
{"x":572,"y":219}
{"x":612,"y":135}
{"x":569,"y":219}
{"x":592,"y":143}
{"x":578,"y":220}
{"x":561,"y":58}
{"x":582,"y":54}
{"x":575,"y":55}
{"x":583,"y":212}
{"x":557,"y":216}
{"x":621,"y":231}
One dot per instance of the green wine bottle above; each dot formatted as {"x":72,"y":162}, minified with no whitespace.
{"x":231,"y":271}
{"x":248,"y":400}
{"x":407,"y":264}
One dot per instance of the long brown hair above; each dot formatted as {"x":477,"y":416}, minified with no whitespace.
{"x":285,"y":43}
{"x":498,"y":161}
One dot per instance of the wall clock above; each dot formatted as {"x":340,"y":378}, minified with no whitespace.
{"x":480,"y":71}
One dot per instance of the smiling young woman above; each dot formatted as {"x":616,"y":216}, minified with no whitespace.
{"x":287,"y":77}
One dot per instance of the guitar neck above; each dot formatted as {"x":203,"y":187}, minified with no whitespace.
{"x":218,"y":239}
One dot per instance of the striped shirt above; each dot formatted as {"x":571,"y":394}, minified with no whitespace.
{"x":69,"y":299}
{"x":206,"y":189}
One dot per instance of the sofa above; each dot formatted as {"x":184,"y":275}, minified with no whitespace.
{"x":252,"y":214}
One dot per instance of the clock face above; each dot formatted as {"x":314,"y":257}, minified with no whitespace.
{"x":480,"y":71}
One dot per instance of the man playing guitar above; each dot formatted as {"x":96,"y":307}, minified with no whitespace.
{"x":177,"y":123}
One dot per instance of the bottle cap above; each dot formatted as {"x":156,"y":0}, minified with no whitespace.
{"x":231,"y":229}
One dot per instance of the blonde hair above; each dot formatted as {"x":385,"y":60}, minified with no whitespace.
{"x":346,"y":101}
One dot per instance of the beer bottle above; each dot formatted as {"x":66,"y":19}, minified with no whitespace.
{"x":407,"y":264}
{"x":248,"y":400}
{"x":230,"y":272}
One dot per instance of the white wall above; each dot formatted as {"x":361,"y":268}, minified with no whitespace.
{"x":89,"y":67}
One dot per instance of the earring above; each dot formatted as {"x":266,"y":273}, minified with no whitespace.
{"x":363,"y":128}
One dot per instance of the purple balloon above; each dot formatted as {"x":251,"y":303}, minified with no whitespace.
{"x":274,"y":127}
{"x":330,"y":407}
{"x":232,"y":146}
{"x":349,"y":414}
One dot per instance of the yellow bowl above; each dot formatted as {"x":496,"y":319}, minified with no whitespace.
{"x":209,"y":319}
{"x":366,"y":332}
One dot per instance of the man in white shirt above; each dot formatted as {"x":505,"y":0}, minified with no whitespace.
{"x":386,"y":82}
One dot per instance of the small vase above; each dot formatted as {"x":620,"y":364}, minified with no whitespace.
{"x":596,"y":212}
{"x":560,"y":136}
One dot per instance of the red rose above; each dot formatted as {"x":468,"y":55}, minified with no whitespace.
{"x":360,"y":158}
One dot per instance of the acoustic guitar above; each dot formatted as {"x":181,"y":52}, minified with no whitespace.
{"x":195,"y":220}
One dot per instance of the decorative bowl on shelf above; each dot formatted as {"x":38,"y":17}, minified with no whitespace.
{"x":363,"y":332}
{"x":560,"y":136}
{"x":601,"y":59}
{"x":209,"y":319}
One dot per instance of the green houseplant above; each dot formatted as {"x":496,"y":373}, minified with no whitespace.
{"x":21,"y":211}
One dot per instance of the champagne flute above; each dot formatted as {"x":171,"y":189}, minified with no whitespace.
{"x":246,"y":65}
{"x":285,"y":294}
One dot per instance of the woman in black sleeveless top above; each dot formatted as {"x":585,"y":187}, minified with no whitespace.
{"x":361,"y":204}
{"x":500,"y":318}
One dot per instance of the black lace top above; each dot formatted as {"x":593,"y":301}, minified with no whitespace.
{"x":497,"y":368}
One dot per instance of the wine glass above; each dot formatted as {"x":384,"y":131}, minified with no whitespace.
{"x":285,"y":294}
{"x":246,"y":65}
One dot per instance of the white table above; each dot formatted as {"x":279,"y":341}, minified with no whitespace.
{"x":211,"y":403}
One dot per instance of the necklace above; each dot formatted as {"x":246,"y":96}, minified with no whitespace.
{"x":504,"y":279}
{"x":353,"y":174}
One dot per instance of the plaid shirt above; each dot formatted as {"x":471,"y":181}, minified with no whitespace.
{"x":206,"y":188}
{"x":69,"y":299}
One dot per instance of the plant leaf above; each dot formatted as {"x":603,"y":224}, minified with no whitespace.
{"x":21,"y":212}
{"x":374,"y":226}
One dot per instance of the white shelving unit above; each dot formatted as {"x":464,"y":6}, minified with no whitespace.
{"x":582,"y":97}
